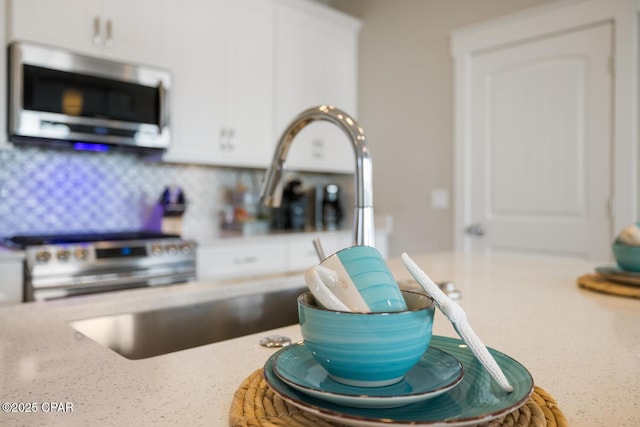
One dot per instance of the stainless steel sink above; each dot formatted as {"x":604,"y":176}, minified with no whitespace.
{"x":151,"y":333}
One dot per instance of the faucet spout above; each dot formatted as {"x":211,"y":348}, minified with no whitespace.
{"x":363,"y":227}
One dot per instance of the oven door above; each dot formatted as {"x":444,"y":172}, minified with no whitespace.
{"x":47,"y":277}
{"x":56,"y":95}
{"x":37,"y":289}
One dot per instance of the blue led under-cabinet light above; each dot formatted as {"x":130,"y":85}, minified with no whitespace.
{"x":87,"y":146}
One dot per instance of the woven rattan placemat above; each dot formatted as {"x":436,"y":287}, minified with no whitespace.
{"x":598,"y":283}
{"x":256,"y":405}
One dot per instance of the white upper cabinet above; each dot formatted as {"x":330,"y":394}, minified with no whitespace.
{"x":250,"y":82}
{"x":241,"y":69}
{"x":316,"y":63}
{"x":115,"y":29}
{"x":222,"y":56}
{"x":3,"y":79}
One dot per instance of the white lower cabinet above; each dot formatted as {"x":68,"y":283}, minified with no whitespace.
{"x":235,"y":258}
{"x":11,"y":283}
{"x":302,"y":254}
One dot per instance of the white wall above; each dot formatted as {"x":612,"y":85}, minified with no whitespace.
{"x":405,"y":106}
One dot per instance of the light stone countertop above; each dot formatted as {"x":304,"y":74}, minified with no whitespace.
{"x":582,"y":347}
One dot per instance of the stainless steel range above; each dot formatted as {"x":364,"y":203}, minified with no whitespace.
{"x":58,"y":266}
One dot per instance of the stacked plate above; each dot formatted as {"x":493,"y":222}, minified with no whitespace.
{"x":618,"y":275}
{"x":447,"y":387}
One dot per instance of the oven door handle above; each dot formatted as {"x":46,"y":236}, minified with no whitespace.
{"x":60,"y":289}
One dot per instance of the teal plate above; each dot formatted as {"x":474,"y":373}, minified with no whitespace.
{"x":476,"y":399}
{"x":434,"y":374}
{"x":616,"y":274}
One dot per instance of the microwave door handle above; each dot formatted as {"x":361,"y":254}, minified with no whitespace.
{"x":162,"y":94}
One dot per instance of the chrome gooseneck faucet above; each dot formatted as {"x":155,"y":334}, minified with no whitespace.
{"x":363,"y":227}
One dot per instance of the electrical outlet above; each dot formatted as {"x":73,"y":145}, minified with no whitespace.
{"x":439,"y":199}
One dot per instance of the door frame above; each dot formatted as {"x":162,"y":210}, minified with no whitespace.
{"x":541,"y":21}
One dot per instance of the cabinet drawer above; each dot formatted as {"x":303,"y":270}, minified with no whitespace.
{"x":302,"y":254}
{"x":11,"y":284}
{"x":215,"y":262}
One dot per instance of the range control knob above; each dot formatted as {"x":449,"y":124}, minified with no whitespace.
{"x":185,"y":248}
{"x":171,"y":249}
{"x":63,"y":255}
{"x":43,"y":256}
{"x":81,"y":254}
{"x":156,"y":249}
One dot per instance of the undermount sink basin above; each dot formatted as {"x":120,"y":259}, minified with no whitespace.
{"x":151,"y":333}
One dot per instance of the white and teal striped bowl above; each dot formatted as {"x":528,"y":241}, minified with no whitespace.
{"x":367,"y":349}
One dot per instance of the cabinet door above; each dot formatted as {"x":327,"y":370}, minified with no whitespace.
{"x":316,"y":64}
{"x":193,"y":44}
{"x":118,"y":29}
{"x":11,"y":284}
{"x":240,"y":260}
{"x":250,"y":80}
{"x":302,"y":254}
{"x":222,"y":61}
{"x":131,"y":30}
{"x":3,"y":77}
{"x":70,"y":24}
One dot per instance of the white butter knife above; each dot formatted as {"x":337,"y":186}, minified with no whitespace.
{"x":458,"y":318}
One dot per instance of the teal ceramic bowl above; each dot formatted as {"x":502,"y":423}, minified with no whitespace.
{"x":367,"y":349}
{"x":627,"y":256}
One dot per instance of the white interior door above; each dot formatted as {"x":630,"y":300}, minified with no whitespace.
{"x":541,"y":144}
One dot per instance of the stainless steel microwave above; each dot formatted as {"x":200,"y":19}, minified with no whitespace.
{"x":58,"y":97}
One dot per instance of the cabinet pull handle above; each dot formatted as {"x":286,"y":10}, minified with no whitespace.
{"x":109,"y":30}
{"x":97,"y":39}
{"x":230,"y":141}
{"x":222,"y":142}
{"x":317,"y":149}
{"x":226,"y":142}
{"x":246,"y":260}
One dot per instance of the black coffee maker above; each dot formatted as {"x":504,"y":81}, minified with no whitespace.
{"x":331,"y":207}
{"x":292,"y":213}
{"x":325,"y":207}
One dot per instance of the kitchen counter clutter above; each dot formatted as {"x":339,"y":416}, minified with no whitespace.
{"x":581,"y":346}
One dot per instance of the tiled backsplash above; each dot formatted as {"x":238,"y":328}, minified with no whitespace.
{"x":51,"y":191}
